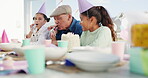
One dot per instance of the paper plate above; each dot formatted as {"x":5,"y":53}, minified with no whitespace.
{"x":93,"y":61}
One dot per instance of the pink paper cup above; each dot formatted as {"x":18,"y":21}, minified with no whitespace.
{"x":118,"y":49}
{"x":14,"y":40}
{"x":47,"y":43}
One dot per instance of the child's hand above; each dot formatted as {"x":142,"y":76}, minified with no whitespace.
{"x":31,"y":27}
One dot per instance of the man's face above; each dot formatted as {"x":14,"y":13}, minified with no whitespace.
{"x":62,"y":21}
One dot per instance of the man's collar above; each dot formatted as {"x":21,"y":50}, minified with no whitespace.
{"x":72,"y":24}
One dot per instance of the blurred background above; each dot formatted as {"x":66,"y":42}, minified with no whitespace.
{"x":16,"y":15}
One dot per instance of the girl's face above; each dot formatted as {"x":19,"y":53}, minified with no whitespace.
{"x":85,"y":22}
{"x":39,"y":20}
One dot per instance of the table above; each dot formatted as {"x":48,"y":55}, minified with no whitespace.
{"x":118,"y":72}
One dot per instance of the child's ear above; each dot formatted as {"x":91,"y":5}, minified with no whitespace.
{"x":93,"y":20}
{"x":45,"y":20}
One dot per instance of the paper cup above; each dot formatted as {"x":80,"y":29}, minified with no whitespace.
{"x":47,"y":43}
{"x":35,"y":56}
{"x":63,"y":44}
{"x":26,"y":42}
{"x":118,"y":49}
{"x":14,"y":40}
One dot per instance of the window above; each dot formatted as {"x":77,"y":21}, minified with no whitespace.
{"x":12,"y":18}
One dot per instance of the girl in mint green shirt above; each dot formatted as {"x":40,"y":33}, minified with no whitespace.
{"x":97,"y":27}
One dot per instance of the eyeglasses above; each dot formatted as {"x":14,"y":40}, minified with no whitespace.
{"x":61,"y":17}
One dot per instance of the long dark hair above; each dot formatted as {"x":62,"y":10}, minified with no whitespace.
{"x":102,"y":16}
{"x":45,"y":17}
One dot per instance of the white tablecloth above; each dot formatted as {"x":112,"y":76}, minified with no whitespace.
{"x":118,"y":72}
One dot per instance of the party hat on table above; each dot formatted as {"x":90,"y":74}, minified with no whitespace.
{"x":84,"y":5}
{"x":42,"y":9}
{"x":4,"y":37}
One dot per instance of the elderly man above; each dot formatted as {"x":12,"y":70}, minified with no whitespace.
{"x":64,"y":23}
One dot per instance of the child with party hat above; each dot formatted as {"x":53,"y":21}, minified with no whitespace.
{"x":39,"y":32}
{"x":96,"y":24}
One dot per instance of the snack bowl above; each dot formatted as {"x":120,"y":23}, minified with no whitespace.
{"x":19,"y":51}
{"x":54,"y":53}
{"x":93,"y":61}
{"x":9,"y":46}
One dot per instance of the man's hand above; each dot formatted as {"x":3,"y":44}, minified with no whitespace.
{"x":52,"y":27}
{"x":53,"y":37}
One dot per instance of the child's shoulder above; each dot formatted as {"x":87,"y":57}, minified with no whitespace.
{"x":104,"y":28}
